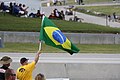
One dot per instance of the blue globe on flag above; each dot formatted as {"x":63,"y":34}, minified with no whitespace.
{"x":59,"y":36}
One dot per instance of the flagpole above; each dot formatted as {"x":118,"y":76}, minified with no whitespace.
{"x":40,"y":45}
{"x":66,"y":69}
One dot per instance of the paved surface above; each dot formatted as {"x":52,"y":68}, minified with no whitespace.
{"x":67,"y":58}
{"x":87,"y":18}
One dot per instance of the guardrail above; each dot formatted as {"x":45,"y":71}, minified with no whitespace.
{"x":77,"y":38}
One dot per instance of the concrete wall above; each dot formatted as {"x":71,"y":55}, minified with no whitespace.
{"x":77,"y":71}
{"x":81,"y":38}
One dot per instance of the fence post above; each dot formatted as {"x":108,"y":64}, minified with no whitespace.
{"x":1,"y":43}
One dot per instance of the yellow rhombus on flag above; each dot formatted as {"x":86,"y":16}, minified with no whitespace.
{"x":52,"y":36}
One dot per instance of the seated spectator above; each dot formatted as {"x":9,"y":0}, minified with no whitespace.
{"x":69,"y":12}
{"x":4,"y":7}
{"x":32,"y":15}
{"x":76,"y":18}
{"x":10,"y":74}
{"x":38,"y":14}
{"x":40,"y":77}
{"x":52,"y":16}
{"x":17,"y":10}
{"x":24,"y":8}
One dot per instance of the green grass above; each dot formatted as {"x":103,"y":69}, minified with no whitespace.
{"x":96,"y":1}
{"x":92,"y":48}
{"x":12,"y":23}
{"x":103,"y":9}
{"x":33,"y":47}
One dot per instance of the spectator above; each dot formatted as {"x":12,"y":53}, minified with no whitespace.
{"x":52,"y":16}
{"x":69,"y":10}
{"x":24,"y":8}
{"x":114,"y":16}
{"x":54,"y":2}
{"x":80,"y":2}
{"x":40,"y":77}
{"x":32,"y":15}
{"x":10,"y":74}
{"x":38,"y":14}
{"x":11,"y":7}
{"x":5,"y":61}
{"x":56,"y":13}
{"x":24,"y":72}
{"x":109,"y":17}
{"x":62,"y":15}
{"x":4,"y":7}
{"x":76,"y":19}
{"x":16,"y":9}
{"x":20,"y":7}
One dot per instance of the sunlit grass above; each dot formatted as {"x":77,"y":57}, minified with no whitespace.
{"x":103,"y":9}
{"x":12,"y":23}
{"x":84,"y":48}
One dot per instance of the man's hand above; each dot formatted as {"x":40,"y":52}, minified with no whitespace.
{"x":37,"y":56}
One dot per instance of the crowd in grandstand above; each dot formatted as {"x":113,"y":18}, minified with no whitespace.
{"x":57,"y":15}
{"x":21,"y":9}
{"x":14,"y":9}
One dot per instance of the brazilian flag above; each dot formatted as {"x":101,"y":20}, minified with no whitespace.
{"x":52,"y":36}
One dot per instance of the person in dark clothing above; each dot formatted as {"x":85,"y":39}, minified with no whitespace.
{"x":10,"y":74}
{"x":62,"y":15}
{"x":11,"y":7}
{"x":38,"y":14}
{"x":5,"y":61}
{"x":114,"y":16}
{"x":80,"y":2}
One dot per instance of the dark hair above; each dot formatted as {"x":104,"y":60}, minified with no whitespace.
{"x":22,"y":60}
{"x":40,"y":77}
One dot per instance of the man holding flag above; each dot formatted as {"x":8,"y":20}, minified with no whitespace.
{"x":52,"y":36}
{"x":25,"y":71}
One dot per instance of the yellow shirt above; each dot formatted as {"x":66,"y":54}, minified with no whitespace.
{"x":25,"y":72}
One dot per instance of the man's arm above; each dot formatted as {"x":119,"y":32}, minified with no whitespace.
{"x":37,"y":56}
